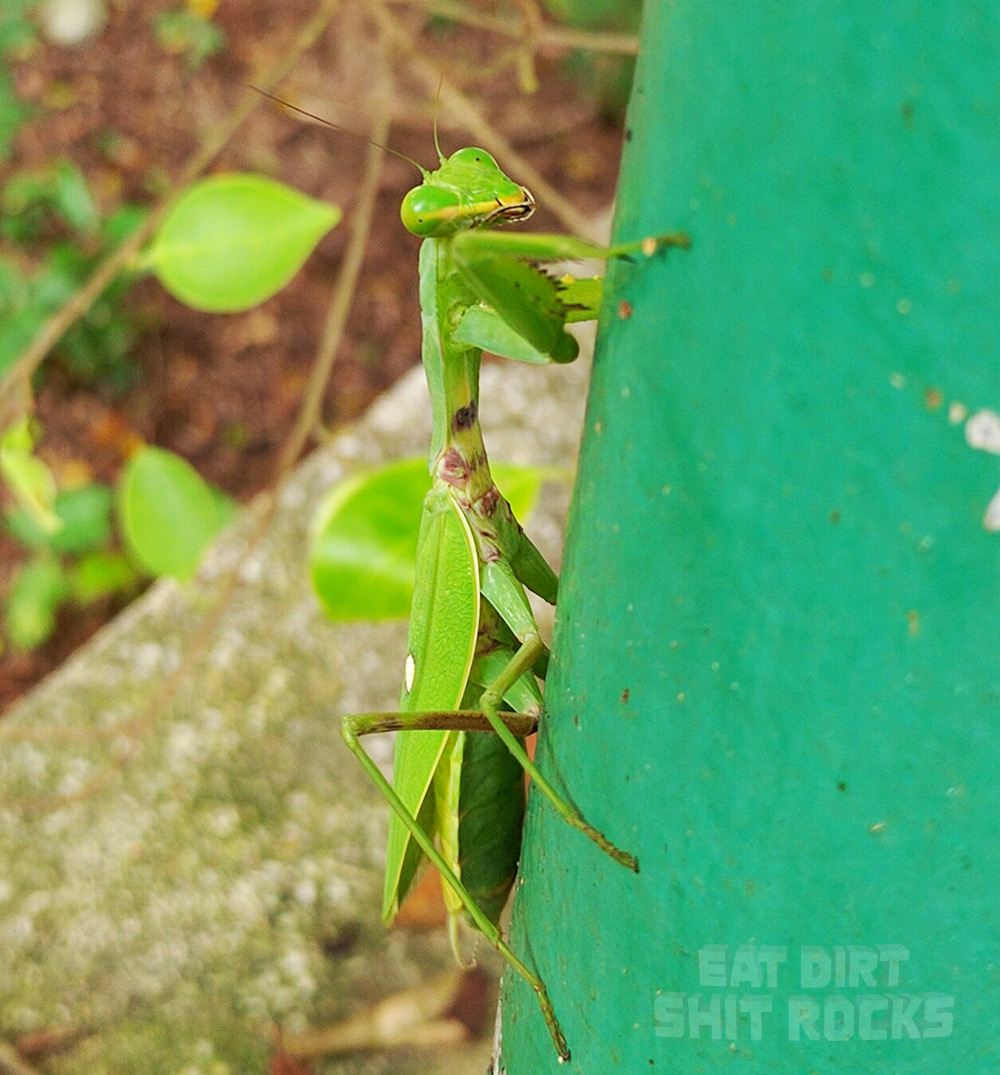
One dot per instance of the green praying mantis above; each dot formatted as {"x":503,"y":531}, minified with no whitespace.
{"x":474,"y":653}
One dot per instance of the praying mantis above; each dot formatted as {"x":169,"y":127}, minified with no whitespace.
{"x":474,"y":653}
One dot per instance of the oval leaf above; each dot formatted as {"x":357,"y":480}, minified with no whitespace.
{"x":232,"y":241}
{"x":102,"y":574}
{"x":27,"y":477}
{"x":364,"y":544}
{"x":36,"y":592}
{"x":168,"y":513}
{"x":85,"y":521}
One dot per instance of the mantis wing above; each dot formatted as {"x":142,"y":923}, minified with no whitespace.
{"x":444,"y":625}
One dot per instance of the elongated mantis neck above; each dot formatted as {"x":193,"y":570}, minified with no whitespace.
{"x":458,"y":455}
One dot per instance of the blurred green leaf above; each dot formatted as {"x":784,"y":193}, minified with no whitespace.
{"x":232,"y":241}
{"x":27,"y":477}
{"x":185,"y":33}
{"x":85,"y":514}
{"x":101,"y":574}
{"x":97,"y":347}
{"x":168,"y":513}
{"x":17,"y":33}
{"x":60,"y":191}
{"x":24,"y":200}
{"x":363,"y":552}
{"x":12,"y":113}
{"x":20,"y":318}
{"x":38,"y":589}
{"x":73,"y":200}
{"x":122,"y":222}
{"x":364,"y":542}
{"x":521,"y":485}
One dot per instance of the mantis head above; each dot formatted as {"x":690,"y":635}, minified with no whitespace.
{"x":468,"y":191}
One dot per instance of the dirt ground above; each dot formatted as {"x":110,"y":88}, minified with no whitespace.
{"x":224,"y":390}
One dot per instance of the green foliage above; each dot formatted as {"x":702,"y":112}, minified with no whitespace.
{"x":229,"y":243}
{"x":27,"y":477}
{"x":39,"y":587}
{"x":52,"y":211}
{"x":69,"y":560}
{"x":102,"y":573}
{"x":17,"y":34}
{"x":29,"y":199}
{"x":84,"y":516}
{"x":186,"y":33}
{"x":363,"y":551}
{"x":168,"y":513}
{"x":232,"y":241}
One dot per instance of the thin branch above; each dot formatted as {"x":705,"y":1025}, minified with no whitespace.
{"x":590,"y":41}
{"x":343,"y":295}
{"x":554,"y":37}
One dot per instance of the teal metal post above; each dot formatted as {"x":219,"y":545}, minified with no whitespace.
{"x":776,"y":673}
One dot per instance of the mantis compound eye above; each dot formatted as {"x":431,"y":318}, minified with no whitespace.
{"x":432,"y":211}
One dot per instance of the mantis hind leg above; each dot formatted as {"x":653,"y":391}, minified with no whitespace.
{"x":522,"y":661}
{"x":351,"y":729}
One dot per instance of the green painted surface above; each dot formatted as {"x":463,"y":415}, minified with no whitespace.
{"x":776,"y":672}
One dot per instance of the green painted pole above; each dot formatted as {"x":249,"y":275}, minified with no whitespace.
{"x":776,"y":672}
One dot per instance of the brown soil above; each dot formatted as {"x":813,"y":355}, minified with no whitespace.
{"x":224,"y":390}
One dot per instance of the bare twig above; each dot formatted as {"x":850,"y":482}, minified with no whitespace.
{"x":547,"y":37}
{"x":343,"y":295}
{"x":527,"y":48}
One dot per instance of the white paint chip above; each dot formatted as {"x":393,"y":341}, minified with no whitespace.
{"x":982,"y":431}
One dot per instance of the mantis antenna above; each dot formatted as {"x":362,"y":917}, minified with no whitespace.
{"x":347,"y":130}
{"x":437,"y":108}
